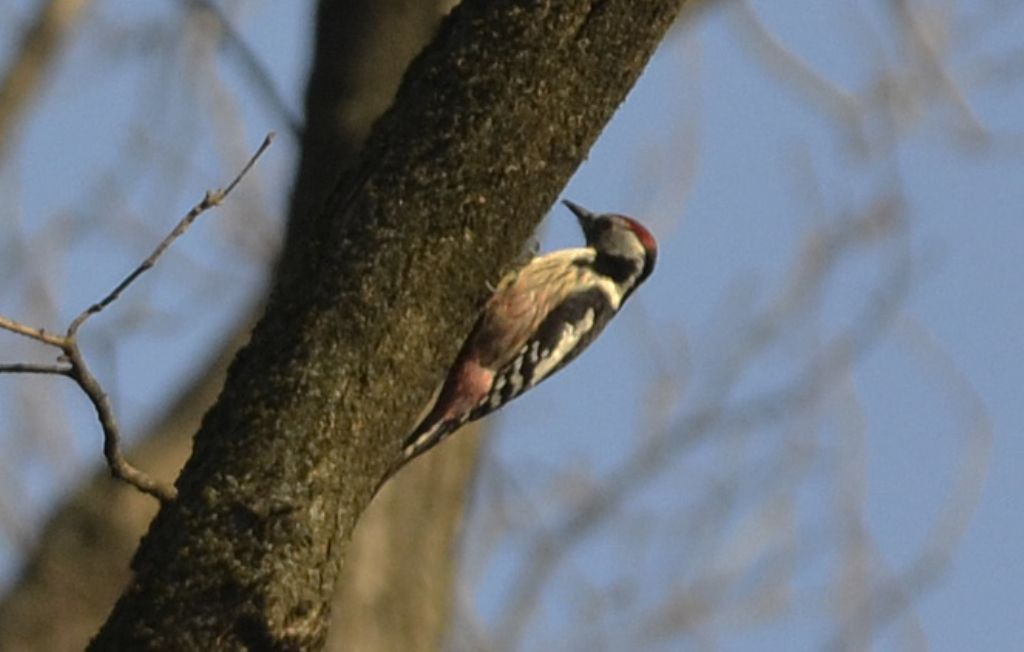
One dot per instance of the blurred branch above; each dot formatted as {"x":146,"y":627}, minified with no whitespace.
{"x":76,"y":367}
{"x":12,"y":523}
{"x":835,"y":101}
{"x":890,"y":597}
{"x":250,"y":64}
{"x":28,"y":367}
{"x":923,"y":42}
{"x":899,"y":91}
{"x":40,"y":43}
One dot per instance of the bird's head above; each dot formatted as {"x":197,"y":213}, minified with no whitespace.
{"x":618,"y":237}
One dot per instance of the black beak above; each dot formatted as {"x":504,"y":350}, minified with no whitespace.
{"x":585,"y":217}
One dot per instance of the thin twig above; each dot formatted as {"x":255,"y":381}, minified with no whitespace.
{"x":37,"y":334}
{"x":119,"y":467}
{"x":72,"y":363}
{"x":211,"y":199}
{"x":33,"y":368}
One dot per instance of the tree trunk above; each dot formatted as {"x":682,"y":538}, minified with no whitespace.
{"x":488,"y":125}
{"x":396,"y":590}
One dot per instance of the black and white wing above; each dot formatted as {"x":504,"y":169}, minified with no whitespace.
{"x":566,"y":330}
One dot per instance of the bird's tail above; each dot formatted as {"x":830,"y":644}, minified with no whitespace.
{"x":424,"y":437}
{"x":427,"y":435}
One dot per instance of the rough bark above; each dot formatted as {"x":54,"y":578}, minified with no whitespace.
{"x":487,"y":127}
{"x":396,"y":590}
{"x":80,"y":564}
{"x":395,"y":594}
{"x":361,"y":50}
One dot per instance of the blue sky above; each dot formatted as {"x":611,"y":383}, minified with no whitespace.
{"x":718,"y":150}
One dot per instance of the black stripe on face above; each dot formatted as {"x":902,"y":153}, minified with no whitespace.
{"x":618,"y":268}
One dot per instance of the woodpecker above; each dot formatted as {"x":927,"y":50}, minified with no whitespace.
{"x":538,"y":320}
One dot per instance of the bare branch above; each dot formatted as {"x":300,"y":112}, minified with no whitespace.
{"x":76,"y":367}
{"x":32,"y":368}
{"x":38,"y":334}
{"x":119,"y":467}
{"x":211,"y":199}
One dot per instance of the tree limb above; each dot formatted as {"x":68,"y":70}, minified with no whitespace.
{"x":73,"y":361}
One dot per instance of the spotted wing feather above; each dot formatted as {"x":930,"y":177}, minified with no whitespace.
{"x":566,"y":330}
{"x":523,"y":301}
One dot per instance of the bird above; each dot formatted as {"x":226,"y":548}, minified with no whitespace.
{"x":539,"y":318}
